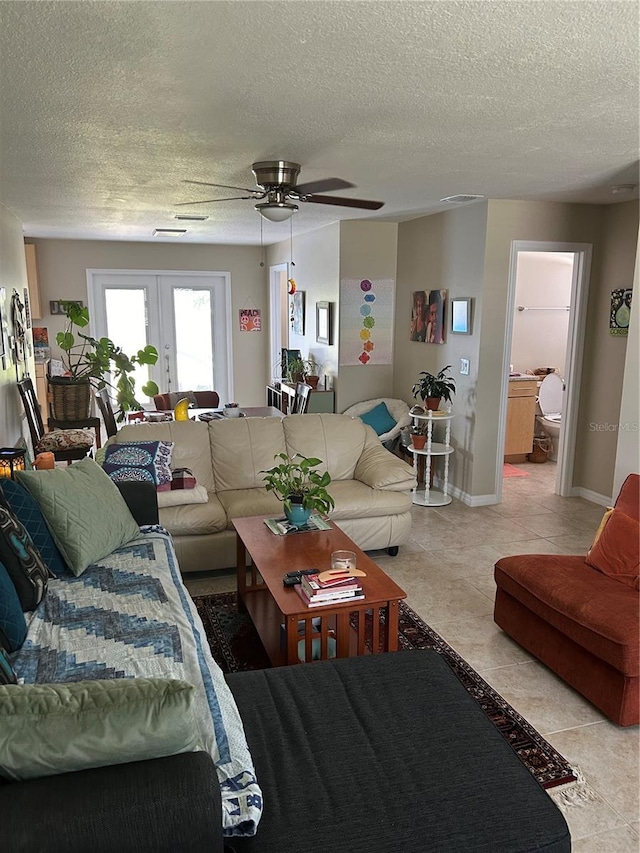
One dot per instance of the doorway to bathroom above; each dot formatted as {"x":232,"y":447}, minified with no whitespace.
{"x":544,"y":334}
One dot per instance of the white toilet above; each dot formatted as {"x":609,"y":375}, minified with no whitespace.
{"x":549,"y":417}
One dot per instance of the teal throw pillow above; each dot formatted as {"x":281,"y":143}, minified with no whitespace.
{"x":13,"y":626}
{"x":21,"y":559}
{"x":7,"y":675}
{"x":379,"y":418}
{"x":58,"y":728}
{"x":26,"y":510}
{"x":84,"y":510}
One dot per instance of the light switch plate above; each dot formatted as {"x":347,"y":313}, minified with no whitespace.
{"x":464,"y":366}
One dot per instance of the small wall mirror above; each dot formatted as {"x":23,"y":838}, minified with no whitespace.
{"x":461,"y":315}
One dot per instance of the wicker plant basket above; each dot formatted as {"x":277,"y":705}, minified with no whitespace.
{"x":541,"y":449}
{"x":70,"y":398}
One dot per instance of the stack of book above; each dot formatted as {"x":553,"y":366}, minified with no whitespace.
{"x":316,"y":593}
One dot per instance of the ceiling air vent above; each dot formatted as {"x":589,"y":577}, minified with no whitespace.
{"x":190,"y":217}
{"x":461,"y":199}
{"x":169,"y":232}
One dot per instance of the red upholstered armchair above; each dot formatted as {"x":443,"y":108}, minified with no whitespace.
{"x":580,"y":615}
{"x":198,"y":400}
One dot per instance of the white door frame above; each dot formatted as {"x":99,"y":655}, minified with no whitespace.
{"x":275,"y":319}
{"x":575,"y":352}
{"x":222,"y":318}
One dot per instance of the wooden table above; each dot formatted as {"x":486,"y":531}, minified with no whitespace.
{"x":210,"y":414}
{"x":272,"y":606}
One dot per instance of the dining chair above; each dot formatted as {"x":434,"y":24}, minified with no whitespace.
{"x":66,"y":445}
{"x":104,"y":404}
{"x":301,"y":400}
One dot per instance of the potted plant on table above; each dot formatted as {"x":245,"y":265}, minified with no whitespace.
{"x":433,"y":388}
{"x":300,"y":488}
{"x":98,"y":363}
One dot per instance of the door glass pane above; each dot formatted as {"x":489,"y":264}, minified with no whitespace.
{"x":127,"y":327}
{"x":193,"y":320}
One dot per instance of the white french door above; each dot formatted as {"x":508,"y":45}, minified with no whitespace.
{"x":185,"y":315}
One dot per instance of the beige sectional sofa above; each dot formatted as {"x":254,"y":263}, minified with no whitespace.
{"x":371,"y":487}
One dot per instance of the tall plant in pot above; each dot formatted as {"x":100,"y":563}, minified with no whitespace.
{"x":432,"y":388}
{"x":98,"y":363}
{"x":300,"y":488}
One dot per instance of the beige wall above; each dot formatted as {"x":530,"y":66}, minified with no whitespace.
{"x":367,"y":250}
{"x":316,"y":273}
{"x":13,"y":274}
{"x":443,"y":251}
{"x":604,"y":357}
{"x":63,"y":264}
{"x":347,"y":249}
{"x":628,"y":451}
{"x":539,"y":338}
{"x":611,"y":231}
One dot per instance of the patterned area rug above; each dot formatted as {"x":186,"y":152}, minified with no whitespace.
{"x":235,"y":645}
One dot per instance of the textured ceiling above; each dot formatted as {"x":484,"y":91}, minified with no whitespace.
{"x":108,"y":107}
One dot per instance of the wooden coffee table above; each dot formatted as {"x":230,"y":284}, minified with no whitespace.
{"x":280,"y":616}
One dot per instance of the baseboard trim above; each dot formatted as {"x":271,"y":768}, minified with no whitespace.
{"x":469,"y":500}
{"x":594,"y":497}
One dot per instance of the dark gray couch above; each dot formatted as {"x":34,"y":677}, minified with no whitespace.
{"x":384,"y":753}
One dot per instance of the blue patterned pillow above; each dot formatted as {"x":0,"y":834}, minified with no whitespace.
{"x":13,"y":627}
{"x":21,"y":559}
{"x":7,"y":675}
{"x":26,"y":510}
{"x":144,"y":461}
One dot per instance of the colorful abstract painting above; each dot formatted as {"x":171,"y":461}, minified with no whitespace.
{"x":366,"y":321}
{"x":250,"y":320}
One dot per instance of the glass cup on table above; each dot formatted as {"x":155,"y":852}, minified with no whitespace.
{"x":343,"y":560}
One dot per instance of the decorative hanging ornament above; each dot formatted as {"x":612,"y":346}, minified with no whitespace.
{"x":292,"y":286}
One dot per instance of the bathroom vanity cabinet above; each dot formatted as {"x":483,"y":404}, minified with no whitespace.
{"x":521,"y":417}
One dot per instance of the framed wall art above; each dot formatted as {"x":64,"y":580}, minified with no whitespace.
{"x":296,"y":312}
{"x":323,"y":323}
{"x":620,"y":312}
{"x":461,"y":315}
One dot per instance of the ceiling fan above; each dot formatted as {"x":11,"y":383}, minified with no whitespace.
{"x":276,"y":182}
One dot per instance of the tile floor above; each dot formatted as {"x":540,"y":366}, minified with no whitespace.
{"x":447,"y":570}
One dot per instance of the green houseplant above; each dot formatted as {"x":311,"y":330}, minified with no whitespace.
{"x":432,"y":388}
{"x":301,"y":489}
{"x":98,"y":363}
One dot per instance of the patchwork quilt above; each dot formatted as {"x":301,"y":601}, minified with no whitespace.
{"x":130,"y":615}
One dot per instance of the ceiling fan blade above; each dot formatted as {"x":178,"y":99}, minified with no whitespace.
{"x":345,"y":202}
{"x":211,"y":200}
{"x":322,"y":186}
{"x":224,"y":186}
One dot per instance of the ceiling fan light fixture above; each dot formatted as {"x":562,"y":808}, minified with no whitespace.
{"x":276,"y":211}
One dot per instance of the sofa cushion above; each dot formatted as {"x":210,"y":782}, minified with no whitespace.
{"x":182,"y":497}
{"x":356,"y":500}
{"x":191,"y":445}
{"x":629,"y":498}
{"x":13,"y":626}
{"x":145,"y":461}
{"x":240,"y":503}
{"x":616,"y":553}
{"x":193,"y":519}
{"x":586,"y":606}
{"x":59,"y":728}
{"x":25,"y":508}
{"x":336,"y":439}
{"x":21,"y":559}
{"x":84,"y":510}
{"x":243,"y":447}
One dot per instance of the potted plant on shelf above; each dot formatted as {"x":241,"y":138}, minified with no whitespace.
{"x":433,"y":388}
{"x":98,"y":363}
{"x":312,"y":372}
{"x":296,"y":370}
{"x":301,"y":489}
{"x":418,"y":436}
